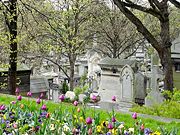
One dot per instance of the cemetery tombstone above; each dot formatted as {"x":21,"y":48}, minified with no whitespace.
{"x":127,"y":84}
{"x":155,"y":96}
{"x":54,"y":92}
{"x":140,"y":86}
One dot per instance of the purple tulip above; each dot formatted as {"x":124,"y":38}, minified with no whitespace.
{"x":110,"y":126}
{"x":88,"y":120}
{"x":75,"y":103}
{"x":17,"y":90}
{"x":37,"y":128}
{"x":134,"y":115}
{"x":19,"y":98}
{"x":2,"y":107}
{"x":43,"y":107}
{"x":38,"y":101}
{"x":29,"y":94}
{"x":113,"y":98}
{"x":62,"y":97}
{"x":113,"y":119}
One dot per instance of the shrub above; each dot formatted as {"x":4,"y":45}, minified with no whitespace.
{"x":174,"y":96}
{"x":168,"y":108}
{"x":79,"y":90}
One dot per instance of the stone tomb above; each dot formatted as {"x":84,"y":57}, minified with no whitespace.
{"x":23,"y":79}
{"x":39,"y":85}
{"x":120,"y":78}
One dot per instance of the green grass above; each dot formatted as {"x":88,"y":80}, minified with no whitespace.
{"x":169,"y":109}
{"x":126,"y":118}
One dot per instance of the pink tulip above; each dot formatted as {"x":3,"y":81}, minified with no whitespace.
{"x":2,"y":107}
{"x":17,"y":90}
{"x":88,"y":120}
{"x":113,"y":98}
{"x":113,"y":119}
{"x":62,"y":97}
{"x":29,"y":94}
{"x":142,"y":127}
{"x":38,"y":101}
{"x":94,"y":97}
{"x":134,"y":115}
{"x":110,"y":126}
{"x":90,"y":131}
{"x":42,"y":95}
{"x":15,"y":125}
{"x":19,"y":98}
{"x":75,"y":103}
{"x":43,"y":107}
{"x":47,"y":115}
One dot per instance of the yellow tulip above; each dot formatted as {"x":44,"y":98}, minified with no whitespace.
{"x":81,"y":119}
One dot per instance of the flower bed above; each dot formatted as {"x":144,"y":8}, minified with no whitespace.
{"x":19,"y":118}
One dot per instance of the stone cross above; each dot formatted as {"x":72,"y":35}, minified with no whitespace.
{"x":155,"y":97}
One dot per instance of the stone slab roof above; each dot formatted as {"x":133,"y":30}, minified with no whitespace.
{"x":175,"y":48}
{"x":117,"y":62}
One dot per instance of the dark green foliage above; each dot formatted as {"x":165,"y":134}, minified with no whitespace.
{"x":65,"y":87}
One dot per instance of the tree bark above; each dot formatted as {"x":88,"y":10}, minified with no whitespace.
{"x":71,"y":79}
{"x":165,"y":53}
{"x":13,"y":46}
{"x":165,"y":56}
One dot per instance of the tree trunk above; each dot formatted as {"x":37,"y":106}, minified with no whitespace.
{"x":166,"y":62}
{"x":71,"y":81}
{"x":13,"y":47}
{"x":115,"y":51}
{"x":165,"y":53}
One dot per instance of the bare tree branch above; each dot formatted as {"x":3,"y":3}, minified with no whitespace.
{"x":60,"y":67}
{"x":143,"y":9}
{"x":140,"y":27}
{"x":176,"y":3}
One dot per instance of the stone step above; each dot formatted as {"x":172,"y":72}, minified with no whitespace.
{"x":108,"y":105}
